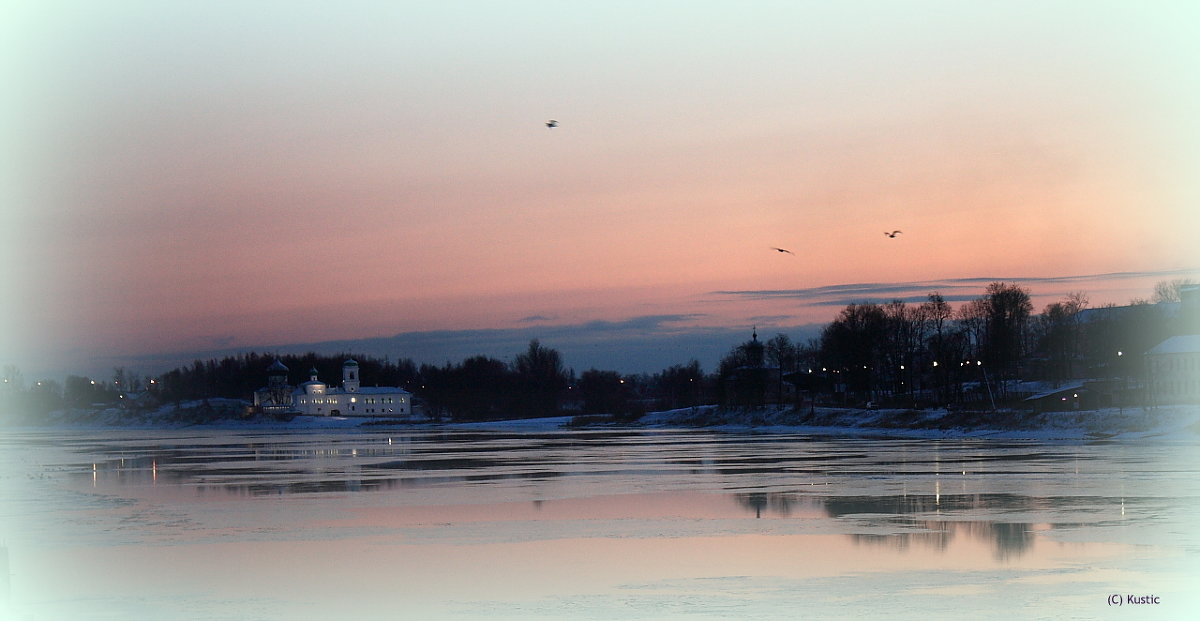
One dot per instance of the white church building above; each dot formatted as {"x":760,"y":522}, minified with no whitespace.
{"x":316,"y":398}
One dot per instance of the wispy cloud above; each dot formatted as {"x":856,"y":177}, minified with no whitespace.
{"x":951,"y":289}
{"x":633,"y":325}
{"x":771,"y":320}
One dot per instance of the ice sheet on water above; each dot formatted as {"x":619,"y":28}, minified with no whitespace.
{"x":599,"y":524}
{"x":915,"y":595}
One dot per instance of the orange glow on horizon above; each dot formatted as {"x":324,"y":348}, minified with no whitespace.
{"x":352,"y":183}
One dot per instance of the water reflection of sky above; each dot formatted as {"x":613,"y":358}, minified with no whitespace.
{"x":585,"y":525}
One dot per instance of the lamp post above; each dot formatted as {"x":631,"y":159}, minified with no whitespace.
{"x":987,"y":384}
{"x":1120,"y":393}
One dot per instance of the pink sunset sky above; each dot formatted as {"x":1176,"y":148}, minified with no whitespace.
{"x":188,"y":176}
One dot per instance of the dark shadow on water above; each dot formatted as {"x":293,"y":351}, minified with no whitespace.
{"x":932,"y":521}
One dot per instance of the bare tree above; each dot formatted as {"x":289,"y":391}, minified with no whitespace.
{"x":1169,"y":290}
{"x":935,"y":314}
{"x":903,"y":344}
{"x":1008,"y":310}
{"x":541,"y":373}
{"x":972,"y":316}
{"x":783,"y":355}
{"x":851,"y":345}
{"x":680,"y":385}
{"x":781,"y":352}
{"x":1060,"y":334}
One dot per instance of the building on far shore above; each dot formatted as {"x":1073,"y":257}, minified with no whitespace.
{"x":1174,"y":370}
{"x":276,"y":397}
{"x":317,"y":398}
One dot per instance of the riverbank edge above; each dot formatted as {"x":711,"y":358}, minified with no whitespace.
{"x":1180,"y":423}
{"x":1168,"y":423}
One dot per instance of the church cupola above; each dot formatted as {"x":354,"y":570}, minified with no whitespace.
{"x":755,"y":350}
{"x":350,"y":377}
{"x":313,"y":386}
{"x":277,"y":374}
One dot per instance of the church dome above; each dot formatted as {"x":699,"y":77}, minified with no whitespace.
{"x":277,"y":367}
{"x":350,"y":363}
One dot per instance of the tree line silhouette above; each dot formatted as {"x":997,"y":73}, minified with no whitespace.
{"x":932,"y":354}
{"x":907,"y":354}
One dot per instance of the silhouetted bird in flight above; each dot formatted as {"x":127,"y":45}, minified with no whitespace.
{"x":783,"y":250}
{"x":892,"y":234}
{"x":551,"y":123}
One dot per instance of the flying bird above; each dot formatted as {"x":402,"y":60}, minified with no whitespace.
{"x":783,"y":250}
{"x":552,"y":123}
{"x":892,"y":234}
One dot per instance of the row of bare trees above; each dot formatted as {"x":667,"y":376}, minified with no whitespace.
{"x":933,"y":352}
{"x":483,"y":388}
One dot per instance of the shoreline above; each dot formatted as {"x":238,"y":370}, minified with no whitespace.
{"x":1180,"y":422}
{"x":1160,"y":423}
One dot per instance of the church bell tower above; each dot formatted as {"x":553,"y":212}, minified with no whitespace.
{"x":350,"y":376}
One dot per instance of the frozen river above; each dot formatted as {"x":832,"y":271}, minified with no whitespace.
{"x":457,"y":524}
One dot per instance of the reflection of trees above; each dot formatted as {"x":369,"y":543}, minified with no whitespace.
{"x":909,"y":514}
{"x":1012,"y":539}
{"x":1009,"y":539}
{"x":780,"y":504}
{"x":938,"y":536}
{"x":754,"y":501}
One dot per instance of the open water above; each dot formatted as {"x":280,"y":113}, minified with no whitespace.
{"x":564,"y":525}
